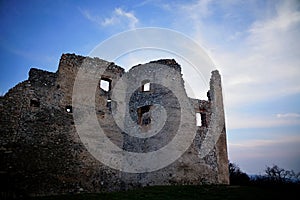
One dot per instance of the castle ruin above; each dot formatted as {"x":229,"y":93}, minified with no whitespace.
{"x":41,"y":152}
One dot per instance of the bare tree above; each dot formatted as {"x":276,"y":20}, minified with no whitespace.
{"x":280,"y":175}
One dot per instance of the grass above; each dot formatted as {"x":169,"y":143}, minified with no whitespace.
{"x":189,"y":192}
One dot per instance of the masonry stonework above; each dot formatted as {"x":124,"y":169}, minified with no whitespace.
{"x":42,"y":154}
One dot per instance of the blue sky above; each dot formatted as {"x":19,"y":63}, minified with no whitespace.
{"x":254,"y":44}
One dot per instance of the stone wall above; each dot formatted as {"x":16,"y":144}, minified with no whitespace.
{"x":42,"y":154}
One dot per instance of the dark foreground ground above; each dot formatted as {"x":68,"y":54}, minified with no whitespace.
{"x":193,"y":192}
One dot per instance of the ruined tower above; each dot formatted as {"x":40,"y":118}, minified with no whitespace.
{"x":43,"y":153}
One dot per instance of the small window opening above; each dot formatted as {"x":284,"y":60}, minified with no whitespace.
{"x":144,"y":117}
{"x":108,"y":103}
{"x":69,"y":109}
{"x":34,"y":102}
{"x":203,"y":119}
{"x":105,"y":84}
{"x":198,"y":119}
{"x":146,"y":86}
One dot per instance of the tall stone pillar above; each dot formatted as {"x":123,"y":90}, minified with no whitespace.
{"x":218,"y":126}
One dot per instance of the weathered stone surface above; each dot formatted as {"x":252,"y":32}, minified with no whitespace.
{"x":42,"y":154}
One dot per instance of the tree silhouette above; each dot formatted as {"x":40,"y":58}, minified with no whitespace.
{"x":279,"y":175}
{"x":236,"y":176}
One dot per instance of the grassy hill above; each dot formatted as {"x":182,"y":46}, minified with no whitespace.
{"x":192,"y":192}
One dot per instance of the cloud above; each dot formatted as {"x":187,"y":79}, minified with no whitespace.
{"x":288,"y":115}
{"x":88,"y":15}
{"x":196,"y":10}
{"x":266,"y":142}
{"x":256,"y":52}
{"x":253,"y":155}
{"x":278,"y":148}
{"x":119,"y":17}
{"x":266,"y":63}
{"x":245,"y":121}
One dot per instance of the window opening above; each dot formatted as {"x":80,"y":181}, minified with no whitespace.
{"x":203,"y":119}
{"x":105,"y":84}
{"x":69,"y":109}
{"x":146,"y":86}
{"x":198,"y":119}
{"x":144,"y":117}
{"x":34,"y":102}
{"x":108,"y":103}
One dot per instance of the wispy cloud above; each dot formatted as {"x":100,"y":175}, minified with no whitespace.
{"x":288,"y":115}
{"x":245,"y":121}
{"x":253,"y":155}
{"x":256,"y":52}
{"x":267,"y":59}
{"x":265,"y":142}
{"x":119,"y":17}
{"x":196,"y":10}
{"x":88,"y":15}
